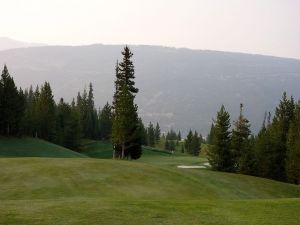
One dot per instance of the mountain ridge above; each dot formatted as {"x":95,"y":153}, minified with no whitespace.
{"x":179,"y":87}
{"x":7,"y":43}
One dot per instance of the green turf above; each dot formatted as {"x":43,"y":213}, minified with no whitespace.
{"x":33,"y":147}
{"x":151,"y":190}
{"x":104,"y":150}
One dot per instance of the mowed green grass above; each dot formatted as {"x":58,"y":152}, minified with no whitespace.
{"x":33,"y":147}
{"x":153,"y":156}
{"x":150,"y":191}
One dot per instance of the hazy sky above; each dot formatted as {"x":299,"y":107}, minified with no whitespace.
{"x":269,"y":27}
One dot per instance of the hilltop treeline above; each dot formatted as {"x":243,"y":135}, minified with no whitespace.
{"x":33,"y":112}
{"x":273,"y":153}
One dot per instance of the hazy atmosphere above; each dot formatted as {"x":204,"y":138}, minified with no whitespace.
{"x":134,"y":112}
{"x":268,"y":27}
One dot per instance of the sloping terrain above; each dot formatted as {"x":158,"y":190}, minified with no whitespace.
{"x":151,"y":190}
{"x":32,"y":147}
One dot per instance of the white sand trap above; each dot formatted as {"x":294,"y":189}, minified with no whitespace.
{"x":206,"y":164}
{"x":191,"y":167}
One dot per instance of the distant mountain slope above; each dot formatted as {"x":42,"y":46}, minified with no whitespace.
{"x":32,"y":147}
{"x":179,"y":88}
{"x":8,"y":43}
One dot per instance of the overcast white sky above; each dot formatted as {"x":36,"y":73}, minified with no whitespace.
{"x":269,"y":27}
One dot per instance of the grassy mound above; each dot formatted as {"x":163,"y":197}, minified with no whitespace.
{"x":32,"y":147}
{"x":151,"y":190}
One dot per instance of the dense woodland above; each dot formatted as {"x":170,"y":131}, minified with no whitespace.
{"x":273,"y":153}
{"x":33,"y":112}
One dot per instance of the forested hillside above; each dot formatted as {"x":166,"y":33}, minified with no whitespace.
{"x":168,"y":78}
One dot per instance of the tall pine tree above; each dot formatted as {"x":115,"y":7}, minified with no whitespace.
{"x":293,"y":149}
{"x":106,"y":122}
{"x":126,"y":136}
{"x":240,"y":139}
{"x":220,"y":155}
{"x":12,"y":103}
{"x":46,"y":113}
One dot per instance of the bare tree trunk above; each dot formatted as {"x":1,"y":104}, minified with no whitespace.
{"x":114,"y":153}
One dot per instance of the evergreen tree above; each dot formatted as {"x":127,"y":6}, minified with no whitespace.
{"x":240,"y":141}
{"x":188,"y":142}
{"x":1,"y":106}
{"x":28,"y":120}
{"x":143,"y":131}
{"x":195,"y":144}
{"x":91,"y":116}
{"x":284,"y":114}
{"x":248,"y":160}
{"x":126,"y":135}
{"x":220,"y":156}
{"x":63,"y":111}
{"x":210,"y":136}
{"x":72,"y":130}
{"x":12,"y":103}
{"x":182,"y":148}
{"x":157,"y":133}
{"x":167,"y":145}
{"x":106,"y":122}
{"x":179,"y":136}
{"x":82,"y":105}
{"x":263,"y":151}
{"x":151,"y":135}
{"x":46,"y":113}
{"x":293,"y":149}
{"x":171,"y":146}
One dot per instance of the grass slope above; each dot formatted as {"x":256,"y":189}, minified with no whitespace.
{"x":32,"y":147}
{"x":104,"y":150}
{"x":99,"y":191}
{"x":150,"y":191}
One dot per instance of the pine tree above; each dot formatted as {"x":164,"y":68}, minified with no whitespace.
{"x":151,"y":135}
{"x":188,"y":142}
{"x":72,"y":129}
{"x":171,"y":146}
{"x":28,"y":120}
{"x":167,"y":144}
{"x":263,"y":149}
{"x":157,"y":133}
{"x":182,"y":148}
{"x":143,"y":131}
{"x":91,"y":116}
{"x":1,"y":106}
{"x":240,"y":141}
{"x":219,"y":155}
{"x":210,"y":136}
{"x":293,"y":149}
{"x":195,"y":144}
{"x":46,"y":113}
{"x":106,"y":122}
{"x":126,"y":135}
{"x":179,"y":136}
{"x":12,"y":103}
{"x":284,"y":114}
{"x":62,"y":114}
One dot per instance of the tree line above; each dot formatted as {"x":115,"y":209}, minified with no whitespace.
{"x":273,"y":153}
{"x":35,"y":113}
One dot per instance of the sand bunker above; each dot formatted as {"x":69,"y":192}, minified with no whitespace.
{"x":191,"y":167}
